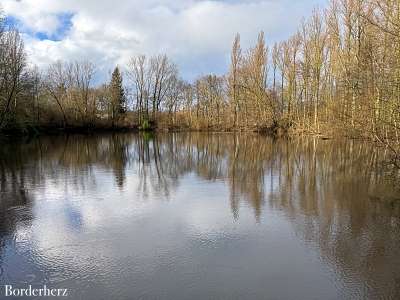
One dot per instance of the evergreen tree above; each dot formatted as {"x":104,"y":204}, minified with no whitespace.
{"x":117,"y":96}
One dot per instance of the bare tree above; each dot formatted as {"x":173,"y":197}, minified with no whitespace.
{"x":140,"y":74}
{"x":12,"y":65}
{"x":163,"y":76}
{"x":233,"y":78}
{"x":57,"y":81}
{"x":81,"y":76}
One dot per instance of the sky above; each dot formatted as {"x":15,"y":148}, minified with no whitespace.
{"x":197,"y":35}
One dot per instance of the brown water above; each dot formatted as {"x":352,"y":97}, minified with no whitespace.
{"x":199,"y":216}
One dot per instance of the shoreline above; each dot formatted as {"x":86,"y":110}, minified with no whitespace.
{"x":84,"y":130}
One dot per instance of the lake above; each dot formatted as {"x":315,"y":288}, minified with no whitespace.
{"x":199,"y":216}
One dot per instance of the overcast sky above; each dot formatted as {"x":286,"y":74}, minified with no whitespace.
{"x":196,"y":34}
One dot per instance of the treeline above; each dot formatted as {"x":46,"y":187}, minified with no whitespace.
{"x":338,"y":74}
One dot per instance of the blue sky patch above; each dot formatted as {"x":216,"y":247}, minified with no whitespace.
{"x":65,"y":23}
{"x":11,"y":21}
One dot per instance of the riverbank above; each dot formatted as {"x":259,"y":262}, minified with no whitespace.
{"x":276,"y":131}
{"x":55,"y":130}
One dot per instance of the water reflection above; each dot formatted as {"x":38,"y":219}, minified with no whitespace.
{"x":62,"y":197}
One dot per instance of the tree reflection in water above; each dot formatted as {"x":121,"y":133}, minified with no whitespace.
{"x":331,"y":191}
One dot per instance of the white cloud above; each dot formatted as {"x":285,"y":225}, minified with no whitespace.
{"x":195,"y":34}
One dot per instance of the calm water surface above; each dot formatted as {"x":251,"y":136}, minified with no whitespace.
{"x":199,"y":216}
